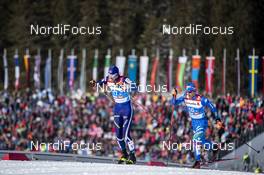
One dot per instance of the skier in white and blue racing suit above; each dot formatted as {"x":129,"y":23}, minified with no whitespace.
{"x":196,"y":104}
{"x":120,"y":88}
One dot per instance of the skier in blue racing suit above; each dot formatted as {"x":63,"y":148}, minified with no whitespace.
{"x":196,"y":104}
{"x":120,"y":88}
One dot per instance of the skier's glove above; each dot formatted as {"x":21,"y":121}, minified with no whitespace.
{"x":92,"y":83}
{"x":174,"y":92}
{"x":219,"y":124}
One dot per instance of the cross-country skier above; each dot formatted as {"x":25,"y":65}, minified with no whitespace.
{"x":120,"y":88}
{"x":196,"y":104}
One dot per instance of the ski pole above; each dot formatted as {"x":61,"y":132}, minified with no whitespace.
{"x":171,"y":122}
{"x":144,"y":108}
{"x":257,"y":151}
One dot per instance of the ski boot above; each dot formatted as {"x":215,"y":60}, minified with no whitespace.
{"x":132,"y":159}
{"x":197,"y":164}
{"x":123,"y":158}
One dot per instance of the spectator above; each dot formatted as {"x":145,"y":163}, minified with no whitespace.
{"x":45,"y":117}
{"x":246,"y":162}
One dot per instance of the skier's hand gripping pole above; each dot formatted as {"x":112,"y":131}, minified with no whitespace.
{"x":92,"y":83}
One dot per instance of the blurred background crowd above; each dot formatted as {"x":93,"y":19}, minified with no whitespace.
{"x":48,"y":118}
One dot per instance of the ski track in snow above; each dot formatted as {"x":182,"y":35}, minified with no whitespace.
{"x":81,"y":168}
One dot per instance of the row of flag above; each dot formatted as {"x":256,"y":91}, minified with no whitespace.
{"x":184,"y":67}
{"x":71,"y":70}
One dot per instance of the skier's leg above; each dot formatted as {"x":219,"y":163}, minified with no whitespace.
{"x":126,"y":132}
{"x":198,"y":139}
{"x":200,"y":135}
{"x":210,"y":145}
{"x":118,"y":121}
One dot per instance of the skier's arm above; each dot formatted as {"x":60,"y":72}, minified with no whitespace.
{"x":174,"y":100}
{"x":211,"y":106}
{"x":131,"y":86}
{"x":101,"y":82}
{"x":177,"y":101}
{"x":213,"y":109}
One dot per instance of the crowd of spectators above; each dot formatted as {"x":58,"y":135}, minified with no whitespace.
{"x":43,"y":117}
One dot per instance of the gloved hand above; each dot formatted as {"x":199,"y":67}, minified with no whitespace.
{"x":92,"y":83}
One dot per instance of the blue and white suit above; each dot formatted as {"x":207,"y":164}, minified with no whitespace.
{"x":196,"y":109}
{"x":120,"y":90}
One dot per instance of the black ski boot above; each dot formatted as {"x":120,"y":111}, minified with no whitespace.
{"x":197,"y":164}
{"x":132,"y":158}
{"x":123,"y":158}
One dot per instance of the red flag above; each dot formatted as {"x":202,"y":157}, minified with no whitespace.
{"x":153,"y":72}
{"x":209,"y":70}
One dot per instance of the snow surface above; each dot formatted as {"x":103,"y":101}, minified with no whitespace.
{"x":68,"y":168}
